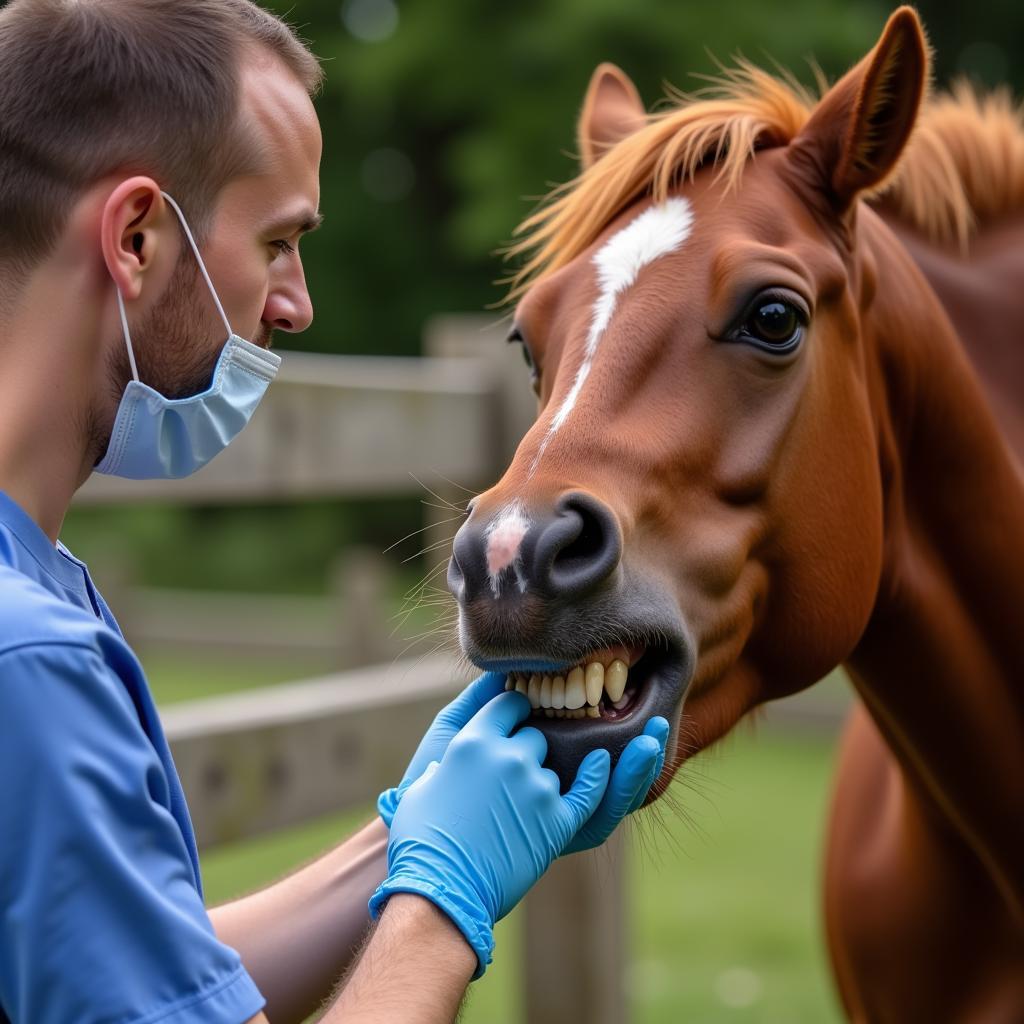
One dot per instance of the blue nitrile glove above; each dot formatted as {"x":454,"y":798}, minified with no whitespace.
{"x":450,"y":719}
{"x":635,"y":771}
{"x":474,"y":832}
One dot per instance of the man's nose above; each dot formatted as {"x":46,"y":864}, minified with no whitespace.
{"x":289,"y":307}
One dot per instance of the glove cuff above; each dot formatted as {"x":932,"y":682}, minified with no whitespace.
{"x":465,"y":915}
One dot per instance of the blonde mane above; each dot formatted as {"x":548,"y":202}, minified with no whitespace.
{"x":963,"y":166}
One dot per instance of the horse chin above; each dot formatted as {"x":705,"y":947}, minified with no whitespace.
{"x":659,"y":673}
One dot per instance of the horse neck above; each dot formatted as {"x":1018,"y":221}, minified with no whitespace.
{"x":982,"y":295}
{"x":941,"y":664}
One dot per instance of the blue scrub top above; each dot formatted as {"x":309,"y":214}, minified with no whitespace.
{"x":101,"y":907}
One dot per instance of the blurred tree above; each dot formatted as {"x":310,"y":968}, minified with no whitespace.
{"x":441,"y":116}
{"x":983,"y":41}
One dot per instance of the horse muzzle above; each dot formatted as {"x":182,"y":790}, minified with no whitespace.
{"x":545,"y":597}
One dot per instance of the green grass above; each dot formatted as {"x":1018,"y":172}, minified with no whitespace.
{"x":724,"y":910}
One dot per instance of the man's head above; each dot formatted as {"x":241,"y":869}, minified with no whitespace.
{"x":93,"y":87}
{"x":103,"y":104}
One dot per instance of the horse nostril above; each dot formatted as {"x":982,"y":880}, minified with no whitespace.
{"x":580,"y":549}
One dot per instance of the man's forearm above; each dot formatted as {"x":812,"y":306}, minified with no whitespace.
{"x":414,"y":969}
{"x":298,"y":936}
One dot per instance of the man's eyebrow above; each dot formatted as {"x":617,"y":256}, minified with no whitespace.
{"x":301,"y":224}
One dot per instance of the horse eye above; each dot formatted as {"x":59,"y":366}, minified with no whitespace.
{"x":516,"y":338}
{"x":775,"y":325}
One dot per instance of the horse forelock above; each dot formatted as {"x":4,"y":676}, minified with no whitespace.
{"x":963,"y":166}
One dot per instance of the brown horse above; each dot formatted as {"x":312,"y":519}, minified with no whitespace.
{"x":762,"y":451}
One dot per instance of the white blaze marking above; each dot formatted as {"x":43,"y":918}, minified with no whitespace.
{"x":654,"y":233}
{"x":504,"y":539}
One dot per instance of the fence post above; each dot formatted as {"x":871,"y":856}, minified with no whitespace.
{"x":576,"y":940}
{"x":359,"y":579}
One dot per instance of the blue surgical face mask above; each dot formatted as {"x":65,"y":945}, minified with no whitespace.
{"x":158,"y":438}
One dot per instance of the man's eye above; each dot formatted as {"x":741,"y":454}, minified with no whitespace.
{"x":283,"y":245}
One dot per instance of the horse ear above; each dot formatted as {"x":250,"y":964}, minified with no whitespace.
{"x":857,"y":132}
{"x":612,"y":110}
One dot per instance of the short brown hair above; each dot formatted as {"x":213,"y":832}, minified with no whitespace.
{"x":90,"y":87}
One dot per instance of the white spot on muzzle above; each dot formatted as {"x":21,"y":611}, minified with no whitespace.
{"x":504,"y":543}
{"x":656,"y":232}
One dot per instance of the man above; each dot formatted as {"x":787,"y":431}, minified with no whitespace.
{"x":133,"y":347}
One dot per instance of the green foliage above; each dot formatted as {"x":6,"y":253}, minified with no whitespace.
{"x":474,"y":107}
{"x":279,"y":548}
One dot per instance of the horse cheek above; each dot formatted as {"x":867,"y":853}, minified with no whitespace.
{"x":828,"y":557}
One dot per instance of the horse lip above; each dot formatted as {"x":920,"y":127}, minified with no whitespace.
{"x":555,"y":657}
{"x":538,"y":635}
{"x":661,"y":693}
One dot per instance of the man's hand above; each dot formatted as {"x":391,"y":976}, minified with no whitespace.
{"x":450,"y":719}
{"x":635,"y":771}
{"x":476,"y":831}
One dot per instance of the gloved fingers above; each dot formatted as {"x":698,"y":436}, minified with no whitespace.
{"x":479,"y":692}
{"x":647,"y":755}
{"x":532,"y":742}
{"x":499,"y":716}
{"x":633,"y":775}
{"x":658,"y":728}
{"x":427,"y":772}
{"x":588,"y":788}
{"x":387,"y":804}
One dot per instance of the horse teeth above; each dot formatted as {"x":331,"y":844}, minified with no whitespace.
{"x":558,"y":692}
{"x":584,"y":692}
{"x":533,"y":691}
{"x":509,"y":683}
{"x":615,"y":680}
{"x":574,"y":684}
{"x":575,"y":690}
{"x":545,"y":692}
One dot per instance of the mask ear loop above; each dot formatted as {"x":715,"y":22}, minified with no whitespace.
{"x":127,"y":335}
{"x":199,"y":260}
{"x":206,"y":278}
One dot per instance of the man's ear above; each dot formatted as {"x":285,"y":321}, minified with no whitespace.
{"x":128,"y":232}
{"x":853,"y":140}
{"x":612,"y":109}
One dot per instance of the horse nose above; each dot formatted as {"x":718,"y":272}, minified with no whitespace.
{"x":577,"y":550}
{"x":566,"y":554}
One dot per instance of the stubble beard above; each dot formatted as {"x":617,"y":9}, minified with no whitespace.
{"x":176,"y":348}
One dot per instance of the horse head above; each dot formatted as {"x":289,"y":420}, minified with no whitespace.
{"x":694,"y":524}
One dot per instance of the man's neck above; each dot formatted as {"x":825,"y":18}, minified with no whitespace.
{"x":52,"y":362}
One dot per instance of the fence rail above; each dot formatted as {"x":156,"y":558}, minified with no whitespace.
{"x":344,"y":425}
